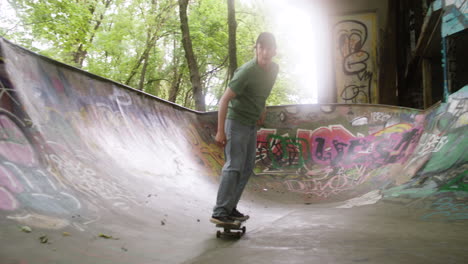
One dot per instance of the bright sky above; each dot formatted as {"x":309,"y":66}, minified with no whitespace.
{"x":6,"y":12}
{"x":303,"y":43}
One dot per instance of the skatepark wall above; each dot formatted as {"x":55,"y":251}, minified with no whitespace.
{"x":75,"y":143}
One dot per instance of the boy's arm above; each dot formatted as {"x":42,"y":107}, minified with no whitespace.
{"x":222,"y":112}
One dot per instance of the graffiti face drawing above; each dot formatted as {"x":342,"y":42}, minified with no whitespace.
{"x":355,"y":77}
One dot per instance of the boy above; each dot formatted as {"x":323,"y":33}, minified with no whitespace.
{"x":241,"y":107}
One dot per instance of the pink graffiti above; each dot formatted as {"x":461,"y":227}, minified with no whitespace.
{"x":326,"y":143}
{"x":336,"y":146}
{"x":13,"y":144}
{"x":9,"y":181}
{"x":7,"y":201}
{"x":262,"y":142}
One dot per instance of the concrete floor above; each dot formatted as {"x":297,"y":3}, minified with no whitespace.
{"x":381,"y":233}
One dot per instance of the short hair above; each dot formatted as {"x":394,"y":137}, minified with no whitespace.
{"x":266,"y":39}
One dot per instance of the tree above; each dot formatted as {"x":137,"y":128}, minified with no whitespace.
{"x":232,"y":25}
{"x":190,"y":56}
{"x":140,"y":43}
{"x":155,"y":21}
{"x":80,"y":54}
{"x":69,"y":26}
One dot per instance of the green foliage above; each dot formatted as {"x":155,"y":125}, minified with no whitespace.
{"x":138,"y":42}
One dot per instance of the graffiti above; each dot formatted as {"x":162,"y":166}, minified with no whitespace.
{"x":121,"y":97}
{"x":330,"y":160}
{"x":455,"y":17}
{"x":24,"y":185}
{"x":329,"y":183}
{"x":334,"y":145}
{"x":209,"y":155}
{"x":431,"y":143}
{"x":355,"y":94}
{"x":33,"y":189}
{"x":5,"y":91}
{"x":13,"y":143}
{"x":451,"y":152}
{"x":460,"y":183}
{"x":380,"y":117}
{"x":366,"y":199}
{"x":354,"y":56}
{"x":286,"y":151}
{"x":457,"y":107}
{"x":446,"y":209}
{"x":86,"y":180}
{"x":263,"y":146}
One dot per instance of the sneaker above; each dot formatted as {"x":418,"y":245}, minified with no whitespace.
{"x":236,"y":215}
{"x":223,"y":220}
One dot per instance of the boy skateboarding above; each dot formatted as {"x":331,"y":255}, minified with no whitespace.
{"x":241,"y":107}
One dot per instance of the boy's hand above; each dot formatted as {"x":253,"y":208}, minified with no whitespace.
{"x":261,"y":120}
{"x":221,"y":139}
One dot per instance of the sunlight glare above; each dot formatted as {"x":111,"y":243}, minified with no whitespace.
{"x":303,"y":42}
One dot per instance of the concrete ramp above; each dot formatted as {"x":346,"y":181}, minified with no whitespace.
{"x":95,"y":172}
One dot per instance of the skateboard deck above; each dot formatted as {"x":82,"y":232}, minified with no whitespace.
{"x":231,"y":230}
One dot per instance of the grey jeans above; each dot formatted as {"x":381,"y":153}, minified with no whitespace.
{"x":239,"y":153}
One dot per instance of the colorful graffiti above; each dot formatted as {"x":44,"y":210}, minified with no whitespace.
{"x":343,"y":157}
{"x":68,"y":144}
{"x":335,"y":145}
{"x":447,"y":209}
{"x":332,"y":159}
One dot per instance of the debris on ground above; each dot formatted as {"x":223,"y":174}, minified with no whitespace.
{"x":66,"y":234}
{"x":26,"y":229}
{"x":107,"y":236}
{"x":44,"y":239}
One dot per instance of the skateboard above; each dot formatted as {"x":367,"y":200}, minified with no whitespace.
{"x":239,"y":230}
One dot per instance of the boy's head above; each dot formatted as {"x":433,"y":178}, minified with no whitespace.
{"x":265,"y":48}
{"x":266,"y":39}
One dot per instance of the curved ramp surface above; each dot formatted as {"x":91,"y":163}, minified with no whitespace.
{"x":95,"y":172}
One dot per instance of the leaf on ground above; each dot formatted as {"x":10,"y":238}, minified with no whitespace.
{"x":44,"y":239}
{"x":107,"y":236}
{"x":26,"y":229}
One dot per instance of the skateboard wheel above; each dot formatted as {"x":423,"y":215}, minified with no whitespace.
{"x":244,"y":229}
{"x":218,"y":234}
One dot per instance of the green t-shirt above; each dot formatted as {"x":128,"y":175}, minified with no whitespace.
{"x":252,"y":86}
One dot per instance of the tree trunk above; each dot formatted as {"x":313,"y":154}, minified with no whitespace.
{"x":143,"y":72}
{"x":232,"y":25}
{"x":150,"y":43}
{"x":153,"y":35}
{"x":175,"y":85}
{"x":80,"y":55}
{"x":177,"y":74}
{"x":190,"y":56}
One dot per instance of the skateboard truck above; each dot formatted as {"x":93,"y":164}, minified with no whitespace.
{"x":228,"y":230}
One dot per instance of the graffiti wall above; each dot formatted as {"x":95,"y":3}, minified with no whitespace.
{"x":75,"y":144}
{"x":355,"y":45}
{"x":326,"y":153}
